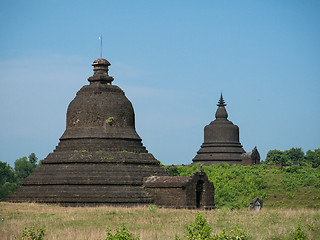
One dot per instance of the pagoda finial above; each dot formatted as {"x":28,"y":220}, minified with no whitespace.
{"x":221,"y":112}
{"x":221,"y":102}
{"x":100,"y":72}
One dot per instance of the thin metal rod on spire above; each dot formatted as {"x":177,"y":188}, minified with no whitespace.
{"x":101,"y":46}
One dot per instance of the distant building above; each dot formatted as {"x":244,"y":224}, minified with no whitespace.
{"x":221,"y":142}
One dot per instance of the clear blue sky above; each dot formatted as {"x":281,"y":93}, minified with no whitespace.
{"x":172,"y":59}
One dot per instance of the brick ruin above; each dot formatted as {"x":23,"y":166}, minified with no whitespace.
{"x":221,"y":142}
{"x":100,"y":159}
{"x":182,"y":192}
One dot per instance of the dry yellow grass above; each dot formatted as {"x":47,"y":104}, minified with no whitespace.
{"x":149,"y":223}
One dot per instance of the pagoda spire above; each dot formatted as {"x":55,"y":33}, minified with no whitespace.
{"x":221,"y":112}
{"x":221,"y":102}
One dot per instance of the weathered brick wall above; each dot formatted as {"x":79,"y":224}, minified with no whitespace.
{"x":168,"y":197}
{"x":207,"y":195}
{"x":181,"y":192}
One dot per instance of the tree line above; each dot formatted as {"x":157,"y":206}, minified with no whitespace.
{"x":293,"y":156}
{"x":10,"y":178}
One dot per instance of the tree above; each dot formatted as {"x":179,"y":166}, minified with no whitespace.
{"x":10,"y":179}
{"x":6,"y":189}
{"x":7,"y":180}
{"x":23,"y":166}
{"x":277,"y":156}
{"x":295,"y":155}
{"x":313,"y":157}
{"x":33,"y":159}
{"x":6,"y":173}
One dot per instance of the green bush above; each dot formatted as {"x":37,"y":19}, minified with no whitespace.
{"x":122,"y":233}
{"x":172,"y":170}
{"x":32,"y":233}
{"x":298,"y":234}
{"x":201,"y":230}
{"x":235,"y":234}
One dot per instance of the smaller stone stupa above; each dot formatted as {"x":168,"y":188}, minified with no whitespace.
{"x":221,"y":142}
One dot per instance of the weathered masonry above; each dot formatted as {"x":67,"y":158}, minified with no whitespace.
{"x":100,"y":159}
{"x":182,"y":192}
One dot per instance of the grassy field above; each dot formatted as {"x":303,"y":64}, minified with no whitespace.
{"x":151,"y":222}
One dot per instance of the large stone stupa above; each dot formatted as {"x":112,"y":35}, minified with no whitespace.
{"x":100,"y":158}
{"x":221,"y":142}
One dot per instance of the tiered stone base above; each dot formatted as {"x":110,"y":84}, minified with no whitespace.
{"x":96,"y":144}
{"x":211,"y":153}
{"x":82,"y":177}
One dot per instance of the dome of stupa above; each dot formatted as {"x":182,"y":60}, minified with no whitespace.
{"x":100,"y":110}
